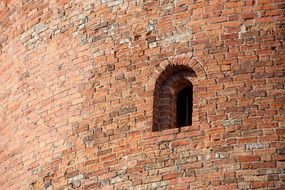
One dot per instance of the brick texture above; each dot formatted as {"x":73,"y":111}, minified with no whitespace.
{"x":77,"y":94}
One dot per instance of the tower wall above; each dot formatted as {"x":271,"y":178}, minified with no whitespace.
{"x":77,"y":90}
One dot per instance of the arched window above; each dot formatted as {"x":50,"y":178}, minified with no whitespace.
{"x":173,"y":98}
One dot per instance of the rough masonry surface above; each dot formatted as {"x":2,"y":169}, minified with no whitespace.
{"x":77,"y":94}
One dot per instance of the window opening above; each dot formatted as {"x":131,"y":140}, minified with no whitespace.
{"x":173,"y":98}
{"x":184,"y":107}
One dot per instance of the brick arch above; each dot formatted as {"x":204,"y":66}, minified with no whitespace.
{"x":180,"y":60}
{"x":168,"y":79}
{"x":168,"y":85}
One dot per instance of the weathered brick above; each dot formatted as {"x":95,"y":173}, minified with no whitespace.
{"x":79,"y":82}
{"x":248,"y":158}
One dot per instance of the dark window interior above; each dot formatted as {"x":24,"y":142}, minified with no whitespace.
{"x":184,"y":106}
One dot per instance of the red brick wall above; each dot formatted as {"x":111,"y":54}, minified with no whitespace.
{"x":77,"y":84}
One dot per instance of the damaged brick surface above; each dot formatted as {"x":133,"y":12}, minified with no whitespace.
{"x":77,"y":94}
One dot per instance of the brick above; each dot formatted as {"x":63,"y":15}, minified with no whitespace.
{"x":92,"y":186}
{"x":262,"y":184}
{"x":248,"y":158}
{"x":170,"y":176}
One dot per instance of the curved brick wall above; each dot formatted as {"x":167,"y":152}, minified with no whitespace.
{"x":77,"y":84}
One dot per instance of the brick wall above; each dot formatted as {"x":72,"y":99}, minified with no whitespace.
{"x":77,"y":90}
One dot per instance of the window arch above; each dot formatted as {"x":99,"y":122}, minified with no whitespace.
{"x":173,"y":98}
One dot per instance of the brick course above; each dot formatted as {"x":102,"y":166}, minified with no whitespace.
{"x":77,"y":91}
